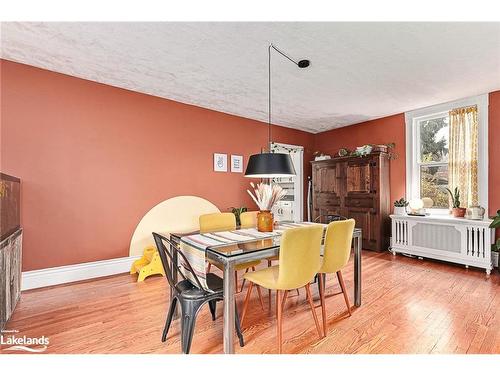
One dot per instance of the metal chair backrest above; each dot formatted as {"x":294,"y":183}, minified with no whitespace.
{"x":167,"y":259}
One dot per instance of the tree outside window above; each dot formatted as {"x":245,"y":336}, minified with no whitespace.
{"x":433,"y":159}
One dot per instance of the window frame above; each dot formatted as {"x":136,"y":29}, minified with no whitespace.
{"x":413,"y":163}
{"x":418,"y":156}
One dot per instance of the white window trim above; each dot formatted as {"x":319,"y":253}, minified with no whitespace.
{"x":412,"y":145}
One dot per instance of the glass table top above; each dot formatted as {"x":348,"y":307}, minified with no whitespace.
{"x":240,"y":248}
{"x":246,"y":247}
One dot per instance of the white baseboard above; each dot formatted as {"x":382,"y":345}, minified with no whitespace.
{"x":75,"y":272}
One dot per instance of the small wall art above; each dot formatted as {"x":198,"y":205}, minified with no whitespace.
{"x":237,"y":163}
{"x":220,"y":162}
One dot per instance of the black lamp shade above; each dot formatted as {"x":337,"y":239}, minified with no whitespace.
{"x":268,"y":165}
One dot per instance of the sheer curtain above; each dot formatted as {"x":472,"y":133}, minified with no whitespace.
{"x":463,"y":153}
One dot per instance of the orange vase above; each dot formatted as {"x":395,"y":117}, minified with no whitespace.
{"x":265,"y":221}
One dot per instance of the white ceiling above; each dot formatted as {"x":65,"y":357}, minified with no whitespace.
{"x":359,"y":71}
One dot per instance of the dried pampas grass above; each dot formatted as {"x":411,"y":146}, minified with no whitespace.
{"x":266,"y":196}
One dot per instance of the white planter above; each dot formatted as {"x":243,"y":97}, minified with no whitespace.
{"x":494,"y":258}
{"x":399,"y":210}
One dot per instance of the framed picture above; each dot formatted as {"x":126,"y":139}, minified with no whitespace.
{"x":220,"y":162}
{"x":237,"y":163}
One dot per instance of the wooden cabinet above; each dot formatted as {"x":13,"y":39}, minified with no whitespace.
{"x":10,"y":275}
{"x":10,"y":246}
{"x":358,"y":188}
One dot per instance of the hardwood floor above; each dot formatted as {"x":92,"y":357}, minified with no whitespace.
{"x":409,"y":306}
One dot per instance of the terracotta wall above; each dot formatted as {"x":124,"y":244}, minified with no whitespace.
{"x":494,"y":154}
{"x":380,"y":131}
{"x":94,"y":158}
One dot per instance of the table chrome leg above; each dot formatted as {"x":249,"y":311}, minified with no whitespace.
{"x":229,"y":309}
{"x":357,"y":270}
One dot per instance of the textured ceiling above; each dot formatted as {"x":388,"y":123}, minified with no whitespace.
{"x":358,"y":71}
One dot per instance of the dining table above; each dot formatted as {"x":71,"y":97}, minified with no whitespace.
{"x":231,"y":255}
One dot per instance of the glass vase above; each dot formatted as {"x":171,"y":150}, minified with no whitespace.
{"x":265,"y":221}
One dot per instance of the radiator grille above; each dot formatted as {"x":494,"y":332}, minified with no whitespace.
{"x":401,"y":235}
{"x":476,"y":242}
{"x":441,"y":237}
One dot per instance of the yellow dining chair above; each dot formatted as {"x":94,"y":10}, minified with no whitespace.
{"x":299,"y":262}
{"x":338,"y":240}
{"x":248,"y":219}
{"x":217,"y":222}
{"x":225,"y":221}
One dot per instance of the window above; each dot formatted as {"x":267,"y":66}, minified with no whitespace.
{"x":432,"y":160}
{"x":427,"y":138}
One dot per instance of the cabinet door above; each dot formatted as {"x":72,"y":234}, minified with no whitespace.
{"x":327,"y":189}
{"x":360,"y":177}
{"x":326,"y":178}
{"x":366,"y":221}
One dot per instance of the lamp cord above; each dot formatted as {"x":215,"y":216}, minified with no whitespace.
{"x":269,"y":89}
{"x":269,"y":93}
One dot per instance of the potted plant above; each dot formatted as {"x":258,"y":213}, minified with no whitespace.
{"x":237,"y":211}
{"x":495,"y":248}
{"x":456,"y":211}
{"x":400,"y":206}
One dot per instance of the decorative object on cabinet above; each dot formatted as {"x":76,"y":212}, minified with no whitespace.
{"x":343,"y":152}
{"x":147,"y":265}
{"x":356,"y":188}
{"x":364,"y":150}
{"x":320,"y":156}
{"x":387,"y":147}
{"x":10,"y":246}
{"x":400,"y":206}
{"x":265,"y":197}
{"x":237,"y":211}
{"x":442,"y":237}
{"x":220,"y":162}
{"x":457,"y":211}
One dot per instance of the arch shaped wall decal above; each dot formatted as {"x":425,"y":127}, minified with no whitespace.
{"x":177,"y":214}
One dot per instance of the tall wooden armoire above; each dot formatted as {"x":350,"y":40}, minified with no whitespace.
{"x":358,"y":188}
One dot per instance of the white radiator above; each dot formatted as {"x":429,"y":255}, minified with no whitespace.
{"x":445,"y":238}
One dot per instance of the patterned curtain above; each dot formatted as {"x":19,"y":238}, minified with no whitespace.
{"x":462,"y":162}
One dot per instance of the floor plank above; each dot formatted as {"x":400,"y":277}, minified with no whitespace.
{"x":409,"y":306}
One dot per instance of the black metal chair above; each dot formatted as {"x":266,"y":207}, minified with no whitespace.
{"x":191,"y":297}
{"x":327,"y":219}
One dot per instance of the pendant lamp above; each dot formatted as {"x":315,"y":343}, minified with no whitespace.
{"x":270,"y":164}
